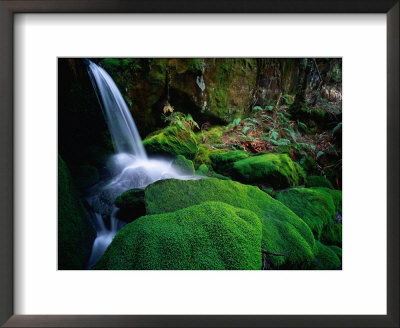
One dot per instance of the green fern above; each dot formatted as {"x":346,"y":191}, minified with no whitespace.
{"x":236,"y":122}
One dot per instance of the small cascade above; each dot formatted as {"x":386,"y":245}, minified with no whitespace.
{"x":122,"y":128}
{"x":130,"y":167}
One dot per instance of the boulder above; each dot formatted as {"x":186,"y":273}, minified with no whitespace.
{"x":274,"y":170}
{"x":130,"y":204}
{"x":315,"y":208}
{"x":325,"y":258}
{"x":283,"y":231}
{"x":209,"y":236}
{"x":172,"y":141}
{"x":183,"y":165}
{"x":318,"y":181}
{"x":222,"y":161}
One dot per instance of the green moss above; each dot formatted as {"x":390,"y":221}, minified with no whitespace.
{"x":315,"y":208}
{"x":222,"y":160}
{"x":275,"y":170}
{"x":185,"y":166}
{"x":131,"y":204}
{"x":203,"y":155}
{"x":283,"y":231}
{"x":203,"y":170}
{"x":219,"y":102}
{"x":308,"y":164}
{"x":85,"y":176}
{"x":335,"y":194}
{"x":332,"y":234}
{"x":173,"y":142}
{"x":325,"y":258}
{"x":213,"y":136}
{"x":318,"y":181}
{"x":338,"y":251}
{"x":270,"y":192}
{"x":75,"y":232}
{"x":209,"y":236}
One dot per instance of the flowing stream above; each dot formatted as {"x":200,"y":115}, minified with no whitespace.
{"x":130,"y":167}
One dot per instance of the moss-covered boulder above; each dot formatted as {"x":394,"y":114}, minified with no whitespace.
{"x":337,"y":250}
{"x":213,"y":136}
{"x":283,"y":231}
{"x":183,"y":165}
{"x":131,"y":205}
{"x":332,"y":234}
{"x":172,"y":141}
{"x":222,"y":161}
{"x":204,"y":171}
{"x":75,"y":231}
{"x":203,"y":155}
{"x":275,"y":170}
{"x":318,"y":181}
{"x":325,"y":258}
{"x":315,"y":208}
{"x":335,"y":194}
{"x":209,"y":236}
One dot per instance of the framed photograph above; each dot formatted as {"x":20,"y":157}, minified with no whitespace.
{"x":199,"y":164}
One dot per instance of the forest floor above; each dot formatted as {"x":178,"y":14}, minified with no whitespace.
{"x":271,"y":129}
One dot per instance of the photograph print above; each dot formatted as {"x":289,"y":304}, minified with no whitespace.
{"x":199,"y":164}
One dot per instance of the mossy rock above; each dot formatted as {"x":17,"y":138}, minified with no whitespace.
{"x":85,"y":176}
{"x":335,"y":194}
{"x":172,"y":141}
{"x":270,"y":192}
{"x":274,"y":170}
{"x":204,"y":171}
{"x":76,"y":234}
{"x":183,"y":165}
{"x":222,"y":161}
{"x":337,"y":250}
{"x":203,"y":155}
{"x":131,"y":205}
{"x":318,"y":181}
{"x":325,"y":258}
{"x":332,"y":234}
{"x":283,"y":231}
{"x":308,"y":164}
{"x":315,"y":208}
{"x":209,"y":236}
{"x":213,"y":136}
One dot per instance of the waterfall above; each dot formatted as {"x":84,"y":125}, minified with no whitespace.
{"x":122,"y":128}
{"x":130,"y":167}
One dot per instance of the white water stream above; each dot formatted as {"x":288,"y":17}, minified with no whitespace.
{"x":130,"y":167}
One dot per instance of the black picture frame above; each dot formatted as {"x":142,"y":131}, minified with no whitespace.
{"x":10,"y":7}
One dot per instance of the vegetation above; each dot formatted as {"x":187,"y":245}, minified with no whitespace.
{"x":212,"y":235}
{"x":172,"y":142}
{"x":73,"y":221}
{"x":283,"y":231}
{"x":261,"y":139}
{"x":131,"y":204}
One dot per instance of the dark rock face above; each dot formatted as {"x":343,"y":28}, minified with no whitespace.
{"x":75,"y":231}
{"x":210,"y":89}
{"x":131,"y":205}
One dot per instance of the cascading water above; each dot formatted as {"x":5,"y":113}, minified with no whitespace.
{"x":119,"y":120}
{"x":130,"y":167}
